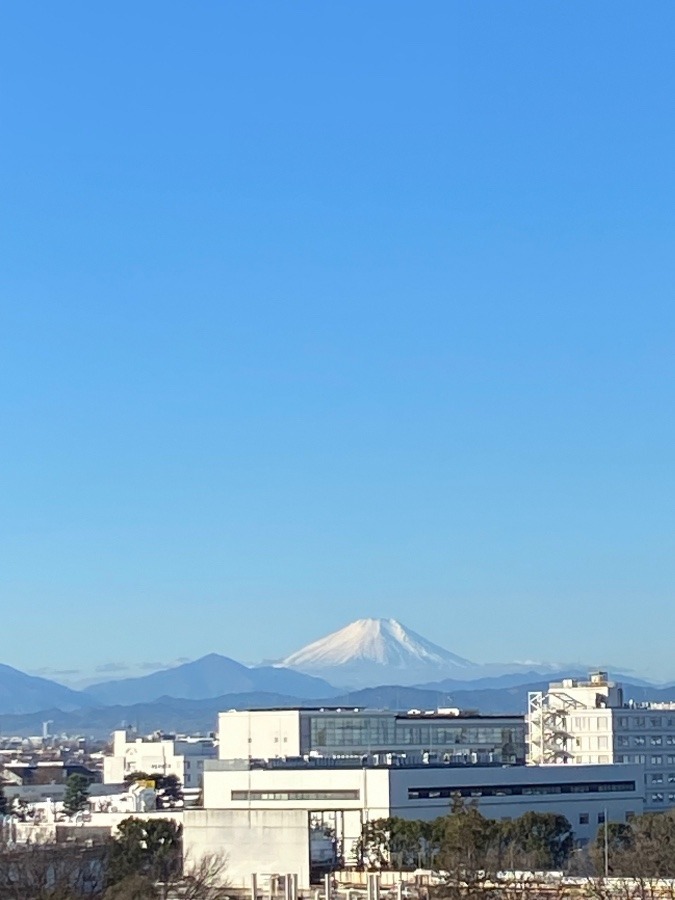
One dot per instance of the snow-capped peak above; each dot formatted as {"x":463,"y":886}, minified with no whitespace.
{"x":355,"y":653}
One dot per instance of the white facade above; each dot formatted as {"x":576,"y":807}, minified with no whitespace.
{"x":261,"y":734}
{"x":588,"y":723}
{"x":584,"y":794}
{"x":182,"y":757}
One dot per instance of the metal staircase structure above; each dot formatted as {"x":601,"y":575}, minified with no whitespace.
{"x":549,"y":740}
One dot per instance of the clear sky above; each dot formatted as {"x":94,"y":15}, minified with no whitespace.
{"x":322,"y":309}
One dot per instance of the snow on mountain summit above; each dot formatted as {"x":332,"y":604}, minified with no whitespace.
{"x":375,"y":650}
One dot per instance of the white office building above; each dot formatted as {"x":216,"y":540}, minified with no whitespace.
{"x":259,"y":799}
{"x":357,"y":794}
{"x":159,"y":754}
{"x":590,"y":723}
{"x":450,"y":735}
{"x":248,"y":804}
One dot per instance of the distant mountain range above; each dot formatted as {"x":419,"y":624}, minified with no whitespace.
{"x":373,"y":662}
{"x":210,"y":676}
{"x":20,"y":693}
{"x":181,"y":715}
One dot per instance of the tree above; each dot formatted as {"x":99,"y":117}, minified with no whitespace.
{"x":151,"y":848}
{"x":5,"y":804}
{"x":397,"y":843}
{"x":641,"y":848}
{"x":52,"y":872}
{"x":470,"y":850}
{"x":170,"y":791}
{"x":538,"y":841}
{"x":372,"y":847}
{"x":139,"y":776}
{"x":132,"y":887}
{"x":206,"y":879}
{"x":77,"y":794}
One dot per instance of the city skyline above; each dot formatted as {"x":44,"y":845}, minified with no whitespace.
{"x":314,"y":312}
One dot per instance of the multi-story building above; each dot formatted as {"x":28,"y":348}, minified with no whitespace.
{"x":357,"y":793}
{"x":590,"y":723}
{"x":448,"y":735}
{"x":159,"y":754}
{"x":285,"y":777}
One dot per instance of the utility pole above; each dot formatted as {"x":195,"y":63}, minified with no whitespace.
{"x":606,"y":847}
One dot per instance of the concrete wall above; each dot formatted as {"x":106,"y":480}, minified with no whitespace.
{"x":262,"y":734}
{"x":262,"y":841}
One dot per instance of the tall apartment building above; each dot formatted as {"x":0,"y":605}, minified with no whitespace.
{"x":590,"y":723}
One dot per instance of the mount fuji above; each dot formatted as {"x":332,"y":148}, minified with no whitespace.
{"x":378,"y":651}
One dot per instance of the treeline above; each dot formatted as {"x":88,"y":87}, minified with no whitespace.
{"x":467,"y":845}
{"x":465,"y":839}
{"x":144,"y":861}
{"x":641,"y":848}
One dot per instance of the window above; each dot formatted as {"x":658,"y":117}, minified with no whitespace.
{"x":670,"y":760}
{"x":508,"y":790}
{"x":295,"y":795}
{"x":623,"y":740}
{"x":670,"y":740}
{"x":657,"y":778}
{"x":639,"y":740}
{"x":656,"y":740}
{"x":655,"y":721}
{"x":583,"y":818}
{"x":601,"y":818}
{"x":602,"y":742}
{"x":640,"y":721}
{"x":656,"y":760}
{"x":623,"y":722}
{"x":657,"y":798}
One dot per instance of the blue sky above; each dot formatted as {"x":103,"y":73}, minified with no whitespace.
{"x":320,"y":310}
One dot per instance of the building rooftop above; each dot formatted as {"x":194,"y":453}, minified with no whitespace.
{"x":443,"y":713}
{"x":367,"y":761}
